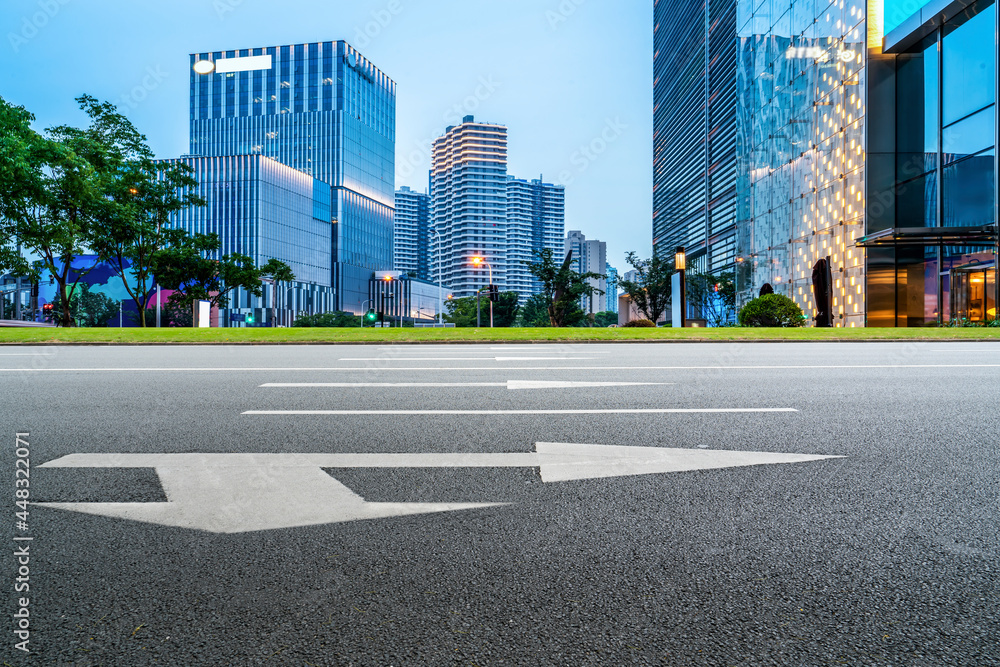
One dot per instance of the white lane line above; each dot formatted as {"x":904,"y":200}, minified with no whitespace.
{"x":370,"y":369}
{"x":630,"y":411}
{"x":353,"y":385}
{"x":995,"y":349}
{"x":509,"y":384}
{"x":390,"y":358}
{"x":27,"y":354}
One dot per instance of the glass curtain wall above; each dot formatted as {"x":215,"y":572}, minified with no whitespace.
{"x":945,"y":177}
{"x":800,"y":146}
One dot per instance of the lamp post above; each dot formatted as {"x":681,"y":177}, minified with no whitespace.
{"x":476,"y":262}
{"x":440,"y":283}
{"x":680,"y":263}
{"x":385,"y":295}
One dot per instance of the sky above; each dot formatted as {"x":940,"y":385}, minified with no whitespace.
{"x":571,"y":79}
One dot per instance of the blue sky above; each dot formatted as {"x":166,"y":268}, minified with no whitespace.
{"x":572,"y":79}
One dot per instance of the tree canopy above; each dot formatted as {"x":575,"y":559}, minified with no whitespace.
{"x":650,"y":291}
{"x":563,"y":287}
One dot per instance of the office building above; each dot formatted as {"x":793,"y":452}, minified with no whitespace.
{"x":411,"y":241}
{"x":323,"y":109}
{"x":589,"y":256}
{"x":469,"y":206}
{"x":536,"y":213}
{"x":867,"y":137}
{"x":930,"y":238}
{"x":694,"y":131}
{"x":611,"y":297}
{"x":266,"y":210}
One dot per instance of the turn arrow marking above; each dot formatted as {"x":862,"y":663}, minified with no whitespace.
{"x":238,"y":493}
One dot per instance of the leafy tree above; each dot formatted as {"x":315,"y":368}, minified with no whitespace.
{"x":182,"y":266}
{"x":89,"y":309}
{"x":650,"y":292}
{"x":605,"y":318}
{"x":715,"y":295}
{"x":505,"y":309}
{"x":336,"y":319}
{"x":139,"y":196}
{"x":49,"y":195}
{"x":535,"y":312}
{"x":563,"y":287}
{"x":461,"y":311}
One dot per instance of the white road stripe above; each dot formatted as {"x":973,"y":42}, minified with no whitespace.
{"x":289,"y":369}
{"x":637,"y":411}
{"x":391,"y":358}
{"x":509,"y":384}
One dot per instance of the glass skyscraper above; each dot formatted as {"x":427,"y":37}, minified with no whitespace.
{"x":469,"y":205}
{"x":694,"y":131}
{"x":324,"y":109}
{"x":266,"y":210}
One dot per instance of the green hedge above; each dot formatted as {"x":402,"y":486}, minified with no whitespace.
{"x":640,"y":323}
{"x":772,"y":310}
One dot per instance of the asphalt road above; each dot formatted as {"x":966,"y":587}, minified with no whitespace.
{"x":887,"y":555}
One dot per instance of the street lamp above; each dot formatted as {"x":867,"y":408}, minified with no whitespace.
{"x":476,"y":261}
{"x":440,"y":283}
{"x":680,"y":263}
{"x":386,"y":295}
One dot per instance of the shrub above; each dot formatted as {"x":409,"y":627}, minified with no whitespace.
{"x":640,"y":323}
{"x":772,"y":310}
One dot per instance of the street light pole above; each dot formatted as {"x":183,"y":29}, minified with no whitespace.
{"x":477,"y":261}
{"x":440,"y":283}
{"x":680,"y":263}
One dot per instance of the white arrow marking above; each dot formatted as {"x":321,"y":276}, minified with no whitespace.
{"x":236,"y":493}
{"x":512,"y":385}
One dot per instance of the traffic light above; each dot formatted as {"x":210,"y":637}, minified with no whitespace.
{"x":250,"y":319}
{"x":494,"y":293}
{"x":47,"y":310}
{"x":371,"y":316}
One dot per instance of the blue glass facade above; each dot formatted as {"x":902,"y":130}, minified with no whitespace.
{"x":266,"y":210}
{"x":694,"y":131}
{"x":324,"y":109}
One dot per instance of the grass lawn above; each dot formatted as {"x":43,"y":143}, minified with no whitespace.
{"x":330,"y":336}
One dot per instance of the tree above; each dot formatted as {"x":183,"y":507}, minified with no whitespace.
{"x":183,"y":267}
{"x":505,"y":309}
{"x":139,"y":195}
{"x":336,"y":319}
{"x":605,"y":318}
{"x":772,"y":310}
{"x":650,"y":292}
{"x":715,"y":295}
{"x":563,"y":287}
{"x":461,"y":312}
{"x":89,"y":309}
{"x":49,"y":195}
{"x":535,"y":312}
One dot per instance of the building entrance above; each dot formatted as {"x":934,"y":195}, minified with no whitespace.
{"x":973,"y":293}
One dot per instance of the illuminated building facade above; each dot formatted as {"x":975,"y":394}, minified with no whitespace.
{"x":931,"y":234}
{"x":469,"y":206}
{"x":866,"y":136}
{"x":325,"y":110}
{"x":694,"y":131}
{"x":801,"y":144}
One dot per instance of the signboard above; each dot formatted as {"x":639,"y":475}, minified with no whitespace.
{"x":204,"y":314}
{"x":237,"y":317}
{"x":675,"y":300}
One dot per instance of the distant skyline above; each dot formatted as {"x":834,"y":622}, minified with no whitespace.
{"x":571,"y":79}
